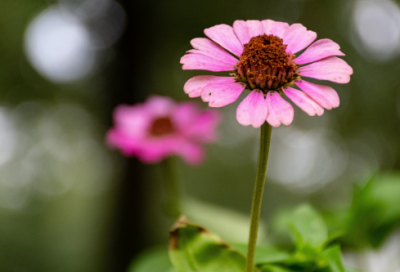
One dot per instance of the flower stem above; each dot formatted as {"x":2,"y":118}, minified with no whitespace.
{"x":172,"y":187}
{"x":265,"y":140}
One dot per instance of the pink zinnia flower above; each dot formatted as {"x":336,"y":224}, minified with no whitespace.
{"x":267,"y":67}
{"x":160,"y":128}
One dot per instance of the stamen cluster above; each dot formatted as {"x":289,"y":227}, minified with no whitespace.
{"x":265,"y":64}
{"x":161,"y":126}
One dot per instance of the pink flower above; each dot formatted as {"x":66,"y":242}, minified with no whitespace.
{"x":160,"y":128}
{"x":267,"y":68}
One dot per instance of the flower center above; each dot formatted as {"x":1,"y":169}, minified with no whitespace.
{"x":161,"y":126}
{"x":265,"y":64}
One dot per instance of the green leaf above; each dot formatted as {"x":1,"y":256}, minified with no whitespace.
{"x":334,"y":258}
{"x":264,"y":254}
{"x":154,"y":259}
{"x":193,"y":249}
{"x":274,"y":268}
{"x":230,"y":224}
{"x":307,"y":227}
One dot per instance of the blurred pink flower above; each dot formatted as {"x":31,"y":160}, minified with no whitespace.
{"x":267,"y":67}
{"x":160,"y":127}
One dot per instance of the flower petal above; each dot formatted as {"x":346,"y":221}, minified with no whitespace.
{"x":325,"y":96}
{"x":333,"y":69}
{"x":245,"y":30}
{"x":203,"y":127}
{"x":241,"y":31}
{"x":252,"y":110}
{"x":225,"y":36}
{"x":279,"y":110}
{"x":297,"y":37}
{"x":194,"y":85}
{"x":274,"y":28}
{"x":219,"y":95}
{"x":319,"y":50}
{"x":203,"y":62}
{"x":192,"y":153}
{"x":209,"y":48}
{"x":304,"y":102}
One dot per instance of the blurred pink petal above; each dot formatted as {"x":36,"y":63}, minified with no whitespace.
{"x":219,"y":95}
{"x":279,"y":110}
{"x":332,"y":69}
{"x":304,"y":102}
{"x":319,"y":50}
{"x":325,"y":96}
{"x":192,"y":153}
{"x":252,"y":110}
{"x":297,"y":37}
{"x":194,"y":85}
{"x":225,"y":36}
{"x":160,"y":128}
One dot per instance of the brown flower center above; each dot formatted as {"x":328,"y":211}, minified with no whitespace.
{"x":161,"y":126}
{"x":265,"y":65}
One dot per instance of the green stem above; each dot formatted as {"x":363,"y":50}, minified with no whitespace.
{"x":172,"y":187}
{"x":265,"y":140}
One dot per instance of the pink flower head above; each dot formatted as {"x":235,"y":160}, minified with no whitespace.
{"x":160,"y":128}
{"x":260,"y":56}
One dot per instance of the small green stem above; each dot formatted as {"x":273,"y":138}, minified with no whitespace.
{"x":172,"y":187}
{"x":265,"y":140}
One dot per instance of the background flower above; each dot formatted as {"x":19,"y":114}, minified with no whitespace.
{"x":160,"y":128}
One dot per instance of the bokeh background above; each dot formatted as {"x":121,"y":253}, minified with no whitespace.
{"x":68,"y":203}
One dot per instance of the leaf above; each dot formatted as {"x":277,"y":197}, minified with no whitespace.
{"x":264,"y":254}
{"x":232,"y":225}
{"x":154,"y":259}
{"x":193,"y":249}
{"x":334,"y":258}
{"x":308,"y":227}
{"x":274,"y":268}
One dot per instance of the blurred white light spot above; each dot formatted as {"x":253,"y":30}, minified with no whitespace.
{"x":384,"y":259}
{"x":305,"y":160}
{"x":377,"y":25}
{"x":59,"y":46}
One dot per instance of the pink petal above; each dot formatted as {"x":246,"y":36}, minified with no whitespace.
{"x":203,"y":129}
{"x":319,"y":50}
{"x":192,"y":153}
{"x":209,"y":48}
{"x":279,"y":110}
{"x":219,"y":95}
{"x":225,"y":36}
{"x":297,"y":37}
{"x":252,"y":110}
{"x":133,"y":120}
{"x":325,"y":96}
{"x":333,"y":69}
{"x":203,"y":62}
{"x":159,"y":105}
{"x":304,"y":102}
{"x":245,"y":30}
{"x":126,"y":143}
{"x":194,"y":123}
{"x":241,"y":31}
{"x":194,"y":85}
{"x":274,"y":28}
